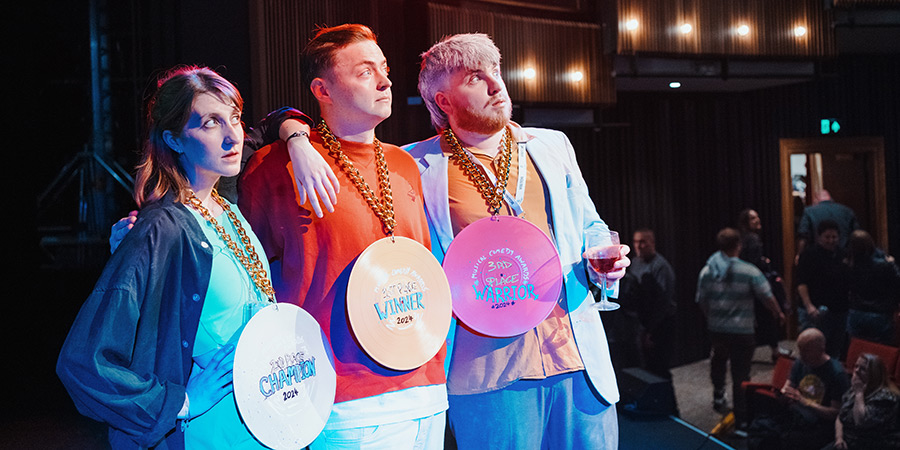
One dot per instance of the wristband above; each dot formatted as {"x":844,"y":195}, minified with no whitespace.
{"x":296,"y":134}
{"x":185,"y":413}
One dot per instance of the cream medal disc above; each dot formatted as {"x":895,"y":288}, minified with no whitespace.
{"x":505,"y":275}
{"x":398,"y":303}
{"x":284,"y":379}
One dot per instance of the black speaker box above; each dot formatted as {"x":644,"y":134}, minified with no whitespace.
{"x":645,"y":393}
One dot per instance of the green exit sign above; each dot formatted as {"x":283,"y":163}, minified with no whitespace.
{"x":829,"y":126}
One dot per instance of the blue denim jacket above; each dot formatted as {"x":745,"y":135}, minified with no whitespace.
{"x":127,"y":357}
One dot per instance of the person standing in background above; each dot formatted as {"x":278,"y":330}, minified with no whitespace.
{"x":726,"y":291}
{"x":768,"y":331}
{"x":656,"y":284}
{"x":874,"y":291}
{"x":824,"y":208}
{"x":822,"y":287}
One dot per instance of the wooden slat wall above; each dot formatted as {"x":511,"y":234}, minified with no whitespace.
{"x":851,"y":3}
{"x":771,"y":25}
{"x":280,"y":28}
{"x":552,"y":47}
{"x":278,"y":31}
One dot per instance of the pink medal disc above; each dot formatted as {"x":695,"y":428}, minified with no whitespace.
{"x":505,"y":276}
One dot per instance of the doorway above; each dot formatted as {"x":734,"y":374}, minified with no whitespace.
{"x":851,"y":169}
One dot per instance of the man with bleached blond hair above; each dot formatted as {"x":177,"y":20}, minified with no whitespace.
{"x":552,"y":386}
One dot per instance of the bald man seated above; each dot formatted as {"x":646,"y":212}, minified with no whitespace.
{"x":812,"y":399}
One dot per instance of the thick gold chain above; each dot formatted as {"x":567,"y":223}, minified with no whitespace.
{"x":252,"y":263}
{"x":384,"y":208}
{"x":493,"y":195}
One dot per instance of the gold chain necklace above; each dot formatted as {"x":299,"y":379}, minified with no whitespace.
{"x":384,"y":208}
{"x":252,"y":263}
{"x":493,"y":195}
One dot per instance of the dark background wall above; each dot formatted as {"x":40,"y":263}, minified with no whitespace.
{"x":686,"y":165}
{"x":681,"y":163}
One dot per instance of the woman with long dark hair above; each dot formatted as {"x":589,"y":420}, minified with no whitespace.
{"x":152,"y":348}
{"x":768,"y":330}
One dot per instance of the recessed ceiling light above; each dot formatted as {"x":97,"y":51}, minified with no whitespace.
{"x":685,"y":28}
{"x":675,"y":84}
{"x":799,"y":31}
{"x":631,"y":25}
{"x":743,"y":30}
{"x":529,"y":73}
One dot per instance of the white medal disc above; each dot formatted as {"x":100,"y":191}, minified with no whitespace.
{"x":284,"y":379}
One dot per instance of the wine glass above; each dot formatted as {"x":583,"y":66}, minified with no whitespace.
{"x":602,"y":249}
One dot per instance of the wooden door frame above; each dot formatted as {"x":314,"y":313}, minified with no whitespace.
{"x":874,"y":146}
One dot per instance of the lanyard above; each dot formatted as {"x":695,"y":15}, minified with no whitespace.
{"x":515,"y":203}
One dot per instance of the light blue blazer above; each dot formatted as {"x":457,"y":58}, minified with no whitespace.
{"x":573,"y":212}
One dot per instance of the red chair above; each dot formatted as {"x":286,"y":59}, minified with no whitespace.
{"x":897,"y":328}
{"x":762,"y":396}
{"x":896,"y":375}
{"x":887,"y":353}
{"x":779,"y":375}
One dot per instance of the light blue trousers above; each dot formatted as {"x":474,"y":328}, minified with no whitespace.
{"x":559,"y":412}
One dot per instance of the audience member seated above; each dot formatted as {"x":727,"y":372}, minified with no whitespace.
{"x":874,"y":290}
{"x":887,"y":353}
{"x":810,"y":399}
{"x":869,"y":411}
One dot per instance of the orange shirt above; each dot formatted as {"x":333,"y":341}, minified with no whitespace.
{"x":311,"y":257}
{"x":546,"y":350}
